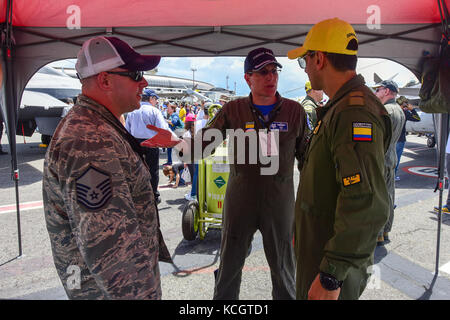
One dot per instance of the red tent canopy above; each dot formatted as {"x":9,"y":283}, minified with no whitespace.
{"x":143,"y":13}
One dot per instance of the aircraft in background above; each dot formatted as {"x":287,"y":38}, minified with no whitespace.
{"x":177,"y":89}
{"x":44,"y":102}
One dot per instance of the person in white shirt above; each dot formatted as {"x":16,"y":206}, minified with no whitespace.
{"x":136,"y":124}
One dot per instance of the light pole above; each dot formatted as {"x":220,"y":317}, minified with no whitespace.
{"x":193,"y":77}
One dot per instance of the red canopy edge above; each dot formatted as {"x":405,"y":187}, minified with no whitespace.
{"x":140,"y":13}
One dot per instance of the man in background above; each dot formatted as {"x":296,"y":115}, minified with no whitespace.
{"x":311,"y":103}
{"x":387,"y":91}
{"x":136,"y":124}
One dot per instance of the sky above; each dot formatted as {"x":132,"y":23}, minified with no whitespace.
{"x":291,"y":81}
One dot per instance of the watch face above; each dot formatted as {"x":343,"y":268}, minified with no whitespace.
{"x":328,"y":282}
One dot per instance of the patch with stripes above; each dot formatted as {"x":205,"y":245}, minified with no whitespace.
{"x":362,"y":131}
{"x":93,"y":189}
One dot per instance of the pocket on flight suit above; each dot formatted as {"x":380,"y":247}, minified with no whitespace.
{"x":351,"y":171}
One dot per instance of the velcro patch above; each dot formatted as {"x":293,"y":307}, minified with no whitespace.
{"x":348,"y":181}
{"x":93,"y":189}
{"x":362,"y":131}
{"x":356,"y":101}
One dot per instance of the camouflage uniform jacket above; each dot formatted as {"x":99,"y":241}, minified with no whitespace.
{"x":100,"y":210}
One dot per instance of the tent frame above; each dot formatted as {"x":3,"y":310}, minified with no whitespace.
{"x":10,"y":98}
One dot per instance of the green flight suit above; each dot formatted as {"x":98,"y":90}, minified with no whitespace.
{"x":397,"y":122}
{"x":342,"y":200}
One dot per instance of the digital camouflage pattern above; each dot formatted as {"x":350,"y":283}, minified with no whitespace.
{"x":100,"y":210}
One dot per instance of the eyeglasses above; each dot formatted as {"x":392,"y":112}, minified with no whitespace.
{"x":378,"y":89}
{"x":133,"y":75}
{"x":265,"y":72}
{"x":302,"y":61}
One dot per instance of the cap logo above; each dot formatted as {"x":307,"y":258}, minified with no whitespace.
{"x":262,"y":53}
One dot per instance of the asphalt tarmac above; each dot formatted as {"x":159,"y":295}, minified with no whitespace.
{"x":404,"y":269}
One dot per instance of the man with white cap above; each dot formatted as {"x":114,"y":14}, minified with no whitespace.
{"x":99,"y":205}
{"x":136,"y":124}
{"x":342,"y":200}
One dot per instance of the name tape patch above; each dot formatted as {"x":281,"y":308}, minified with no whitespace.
{"x":348,"y":181}
{"x":282,"y":126}
{"x":362,"y":131}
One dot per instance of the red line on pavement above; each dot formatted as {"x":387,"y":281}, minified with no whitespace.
{"x":28,"y":205}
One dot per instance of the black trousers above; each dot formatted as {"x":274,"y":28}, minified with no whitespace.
{"x":152,"y":160}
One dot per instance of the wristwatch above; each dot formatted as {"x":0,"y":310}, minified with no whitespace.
{"x":329,"y":282}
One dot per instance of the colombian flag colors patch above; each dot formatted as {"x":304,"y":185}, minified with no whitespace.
{"x":362,"y":131}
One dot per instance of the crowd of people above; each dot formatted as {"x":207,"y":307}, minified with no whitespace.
{"x":100,"y":194}
{"x":183,"y":119}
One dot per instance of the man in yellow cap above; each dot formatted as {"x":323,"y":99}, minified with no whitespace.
{"x":311,"y":103}
{"x":342,"y":200}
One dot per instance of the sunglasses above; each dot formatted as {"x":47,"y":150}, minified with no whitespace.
{"x":302,"y":61}
{"x":133,"y":75}
{"x":380,"y":88}
{"x":265,"y":72}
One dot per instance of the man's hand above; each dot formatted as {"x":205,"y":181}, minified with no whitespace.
{"x":317,"y":292}
{"x":162,"y":139}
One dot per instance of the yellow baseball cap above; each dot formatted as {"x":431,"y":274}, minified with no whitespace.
{"x":331,"y":35}
{"x":308,"y":86}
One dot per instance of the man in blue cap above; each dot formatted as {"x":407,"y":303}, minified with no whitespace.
{"x":136,"y":124}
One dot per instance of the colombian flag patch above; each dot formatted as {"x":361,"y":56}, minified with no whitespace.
{"x":362,"y":131}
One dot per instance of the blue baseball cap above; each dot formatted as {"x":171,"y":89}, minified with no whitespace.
{"x":149,"y":93}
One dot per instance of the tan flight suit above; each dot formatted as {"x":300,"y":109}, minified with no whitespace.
{"x":397,"y":122}
{"x":260,"y":202}
{"x":342,"y":200}
{"x":100,"y":209}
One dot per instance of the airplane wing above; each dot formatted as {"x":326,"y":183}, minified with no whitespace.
{"x":39,"y":99}
{"x":409,"y":91}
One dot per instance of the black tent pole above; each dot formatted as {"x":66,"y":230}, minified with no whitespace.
{"x":441,"y":184}
{"x":11,"y":112}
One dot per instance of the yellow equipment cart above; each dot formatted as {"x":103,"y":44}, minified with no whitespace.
{"x":199,"y":216}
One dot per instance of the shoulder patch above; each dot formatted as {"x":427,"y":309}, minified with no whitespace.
{"x":362,"y":131}
{"x":356,"y":94}
{"x":93,"y":189}
{"x":354,"y":179}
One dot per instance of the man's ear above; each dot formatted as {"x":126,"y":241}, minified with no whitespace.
{"x":320,"y":60}
{"x":247,"y":79}
{"x":103,"y":81}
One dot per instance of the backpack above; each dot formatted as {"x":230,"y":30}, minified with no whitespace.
{"x":435,"y":90}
